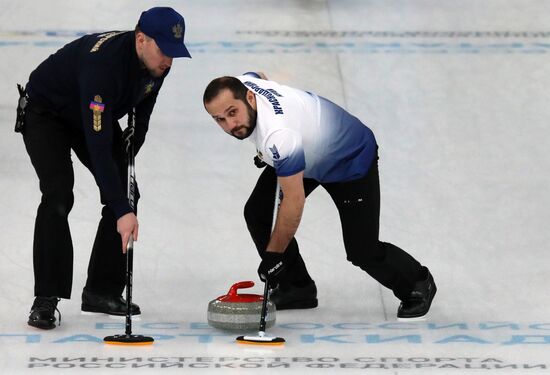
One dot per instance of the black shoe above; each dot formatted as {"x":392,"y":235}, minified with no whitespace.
{"x":419,"y":302}
{"x":43,"y":312}
{"x":295,"y":297}
{"x":106,"y":304}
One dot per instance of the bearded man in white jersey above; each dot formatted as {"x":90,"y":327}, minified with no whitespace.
{"x":307,"y":141}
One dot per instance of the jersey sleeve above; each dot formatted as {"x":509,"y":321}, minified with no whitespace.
{"x":96,"y":97}
{"x":285,"y":149}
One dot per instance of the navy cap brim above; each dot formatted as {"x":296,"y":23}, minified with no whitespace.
{"x":173,"y":49}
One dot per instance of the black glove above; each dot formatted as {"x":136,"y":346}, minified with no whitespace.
{"x":271,"y":268}
{"x":21,"y":105}
{"x":259,"y":163}
{"x":128,"y":137}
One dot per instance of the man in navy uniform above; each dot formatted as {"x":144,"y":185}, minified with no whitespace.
{"x":75,"y":99}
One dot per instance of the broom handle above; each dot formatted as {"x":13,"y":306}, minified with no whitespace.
{"x":264,"y":310}
{"x":130,"y":248}
{"x":266,"y":287}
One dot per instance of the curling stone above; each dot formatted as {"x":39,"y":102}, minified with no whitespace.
{"x":239,"y":312}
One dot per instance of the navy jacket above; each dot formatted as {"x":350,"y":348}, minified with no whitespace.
{"x":90,"y":84}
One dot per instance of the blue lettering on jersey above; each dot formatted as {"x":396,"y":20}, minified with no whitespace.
{"x":269,"y":94}
{"x":274,"y":92}
{"x":275,"y":152}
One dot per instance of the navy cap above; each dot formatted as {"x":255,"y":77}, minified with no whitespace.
{"x":166,"y":27}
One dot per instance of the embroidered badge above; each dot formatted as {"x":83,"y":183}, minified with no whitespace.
{"x":149,"y":87}
{"x":177,"y":30}
{"x":275,"y":152}
{"x":103,"y":38}
{"x":97,"y":108}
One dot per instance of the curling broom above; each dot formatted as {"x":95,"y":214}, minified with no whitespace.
{"x":128,"y":338}
{"x":262,"y":339}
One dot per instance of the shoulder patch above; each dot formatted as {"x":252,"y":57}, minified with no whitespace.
{"x":275,"y":152}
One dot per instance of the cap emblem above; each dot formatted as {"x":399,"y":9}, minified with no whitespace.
{"x":177,"y":30}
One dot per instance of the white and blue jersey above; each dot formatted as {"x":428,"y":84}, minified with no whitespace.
{"x":299,"y":131}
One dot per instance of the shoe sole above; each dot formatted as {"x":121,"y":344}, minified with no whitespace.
{"x":41,"y":326}
{"x":303,"y":304}
{"x":413,"y":319}
{"x":113,"y":316}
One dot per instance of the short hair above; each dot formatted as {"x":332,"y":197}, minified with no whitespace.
{"x":221,"y":83}
{"x":138,"y":30}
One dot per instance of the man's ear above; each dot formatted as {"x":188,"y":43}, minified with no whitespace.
{"x":251,"y":99}
{"x":140,"y":39}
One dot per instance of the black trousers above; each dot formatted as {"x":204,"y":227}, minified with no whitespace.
{"x":49,"y":142}
{"x":358,"y":204}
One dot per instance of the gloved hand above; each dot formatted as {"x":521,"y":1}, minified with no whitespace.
{"x":271,"y":268}
{"x":128,"y":137}
{"x":259,"y":163}
{"x":21,"y":105}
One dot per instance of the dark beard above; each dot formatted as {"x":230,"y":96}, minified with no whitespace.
{"x":252,"y":118}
